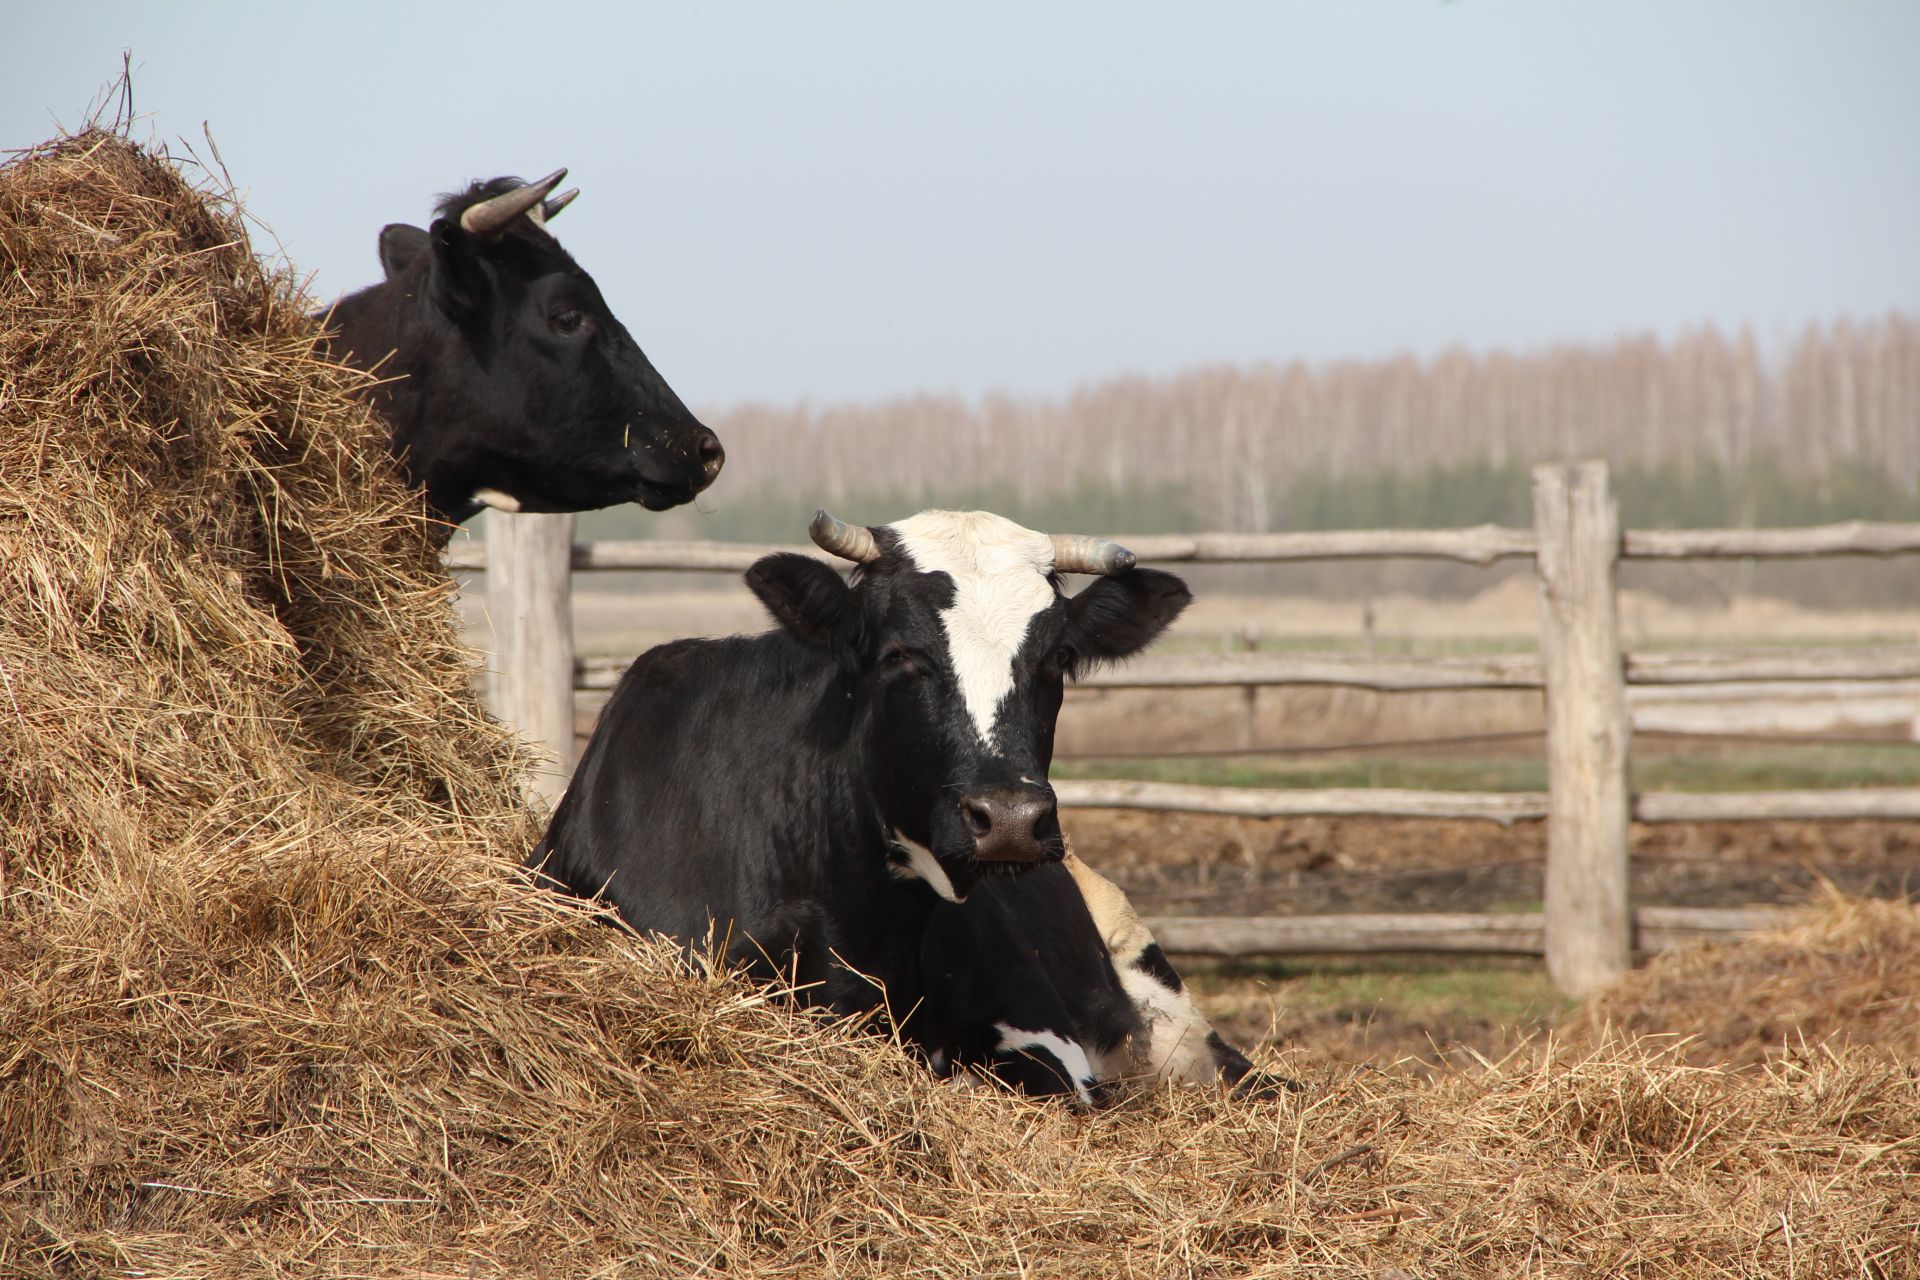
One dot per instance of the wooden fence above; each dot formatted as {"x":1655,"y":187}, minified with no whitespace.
{"x":1588,"y":931}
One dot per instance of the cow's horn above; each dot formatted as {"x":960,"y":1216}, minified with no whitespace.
{"x":490,"y":218}
{"x":1077,"y":553}
{"x":550,"y":209}
{"x":848,"y":541}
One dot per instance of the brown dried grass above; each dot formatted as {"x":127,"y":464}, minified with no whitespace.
{"x":275,"y":1001}
{"x":1845,"y":971}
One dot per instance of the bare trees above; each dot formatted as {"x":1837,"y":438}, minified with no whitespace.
{"x":1235,"y":438}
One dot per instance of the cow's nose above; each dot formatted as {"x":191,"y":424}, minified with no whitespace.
{"x":713,"y":455}
{"x":1013,"y":824}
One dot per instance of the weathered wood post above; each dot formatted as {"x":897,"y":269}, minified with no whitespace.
{"x":1249,"y":642}
{"x":530,"y":595}
{"x":1589,"y":925}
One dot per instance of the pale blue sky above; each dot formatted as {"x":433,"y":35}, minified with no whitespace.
{"x":791,"y":201}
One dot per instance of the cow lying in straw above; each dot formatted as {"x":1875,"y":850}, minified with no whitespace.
{"x":825,"y":796}
{"x":1062,"y":948}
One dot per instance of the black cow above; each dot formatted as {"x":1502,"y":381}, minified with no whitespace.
{"x":810,"y":795}
{"x":1033,"y":994}
{"x":511,"y":383}
{"x":1076,"y":934}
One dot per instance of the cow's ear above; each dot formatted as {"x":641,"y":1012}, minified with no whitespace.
{"x":807,"y":598}
{"x":459,"y":281}
{"x":400,"y":247}
{"x":1119,"y":616}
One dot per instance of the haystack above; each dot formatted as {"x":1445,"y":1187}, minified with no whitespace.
{"x":274,"y":999}
{"x":1845,"y":970}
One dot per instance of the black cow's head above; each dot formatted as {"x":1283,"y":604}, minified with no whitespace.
{"x":959,"y":636}
{"x":518,"y":388}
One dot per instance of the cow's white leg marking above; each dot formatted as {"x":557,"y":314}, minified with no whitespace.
{"x":999,"y":572}
{"x":497,"y":500}
{"x":908,"y":860}
{"x":1176,"y":1034}
{"x":1065,"y":1052}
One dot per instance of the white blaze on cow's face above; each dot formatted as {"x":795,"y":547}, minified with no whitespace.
{"x":1000,"y":576}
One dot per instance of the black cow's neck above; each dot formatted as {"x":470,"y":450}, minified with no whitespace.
{"x":370,"y":332}
{"x":880,"y":919}
{"x":366,"y":329}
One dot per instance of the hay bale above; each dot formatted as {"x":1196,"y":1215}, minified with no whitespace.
{"x":1843,"y":970}
{"x":223,"y":626}
{"x":274,"y":999}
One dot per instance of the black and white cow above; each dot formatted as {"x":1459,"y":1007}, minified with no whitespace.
{"x":1062,"y":954}
{"x":1174,"y":1040}
{"x":1035,"y":993}
{"x":508,"y":381}
{"x":810,"y":795}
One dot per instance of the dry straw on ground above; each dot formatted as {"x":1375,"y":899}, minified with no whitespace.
{"x":1848,"y":971}
{"x":274,"y":1000}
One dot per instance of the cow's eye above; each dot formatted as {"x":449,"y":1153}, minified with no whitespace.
{"x":570,"y":321}
{"x":897,"y":660}
{"x":1067,"y":658}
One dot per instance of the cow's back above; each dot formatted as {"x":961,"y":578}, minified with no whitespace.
{"x":714,"y":802}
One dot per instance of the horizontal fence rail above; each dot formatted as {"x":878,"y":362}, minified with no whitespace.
{"x":1481,"y":545}
{"x":1853,"y":537}
{"x":661,"y":556}
{"x":1493,"y":806}
{"x":1407,"y":675}
{"x":1587,"y":931}
{"x":1252,"y":670}
{"x":1885,"y":803}
{"x":1738,"y":667}
{"x":1519,"y":933}
{"x":1291,"y":802}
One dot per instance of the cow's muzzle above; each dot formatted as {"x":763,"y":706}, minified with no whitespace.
{"x":1014,"y":825}
{"x":712,"y":456}
{"x":659,"y":483}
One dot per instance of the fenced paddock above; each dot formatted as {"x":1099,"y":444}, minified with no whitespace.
{"x":1588,"y":930}
{"x":276,"y":997}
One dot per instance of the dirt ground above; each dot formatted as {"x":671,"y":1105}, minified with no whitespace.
{"x":1422,"y":1013}
{"x":1200,"y":864}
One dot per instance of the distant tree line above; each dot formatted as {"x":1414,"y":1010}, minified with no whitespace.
{"x":1668,"y":495}
{"x":1702,"y":430}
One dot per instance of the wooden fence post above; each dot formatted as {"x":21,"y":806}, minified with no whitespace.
{"x":530,"y":595}
{"x":1589,"y":926}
